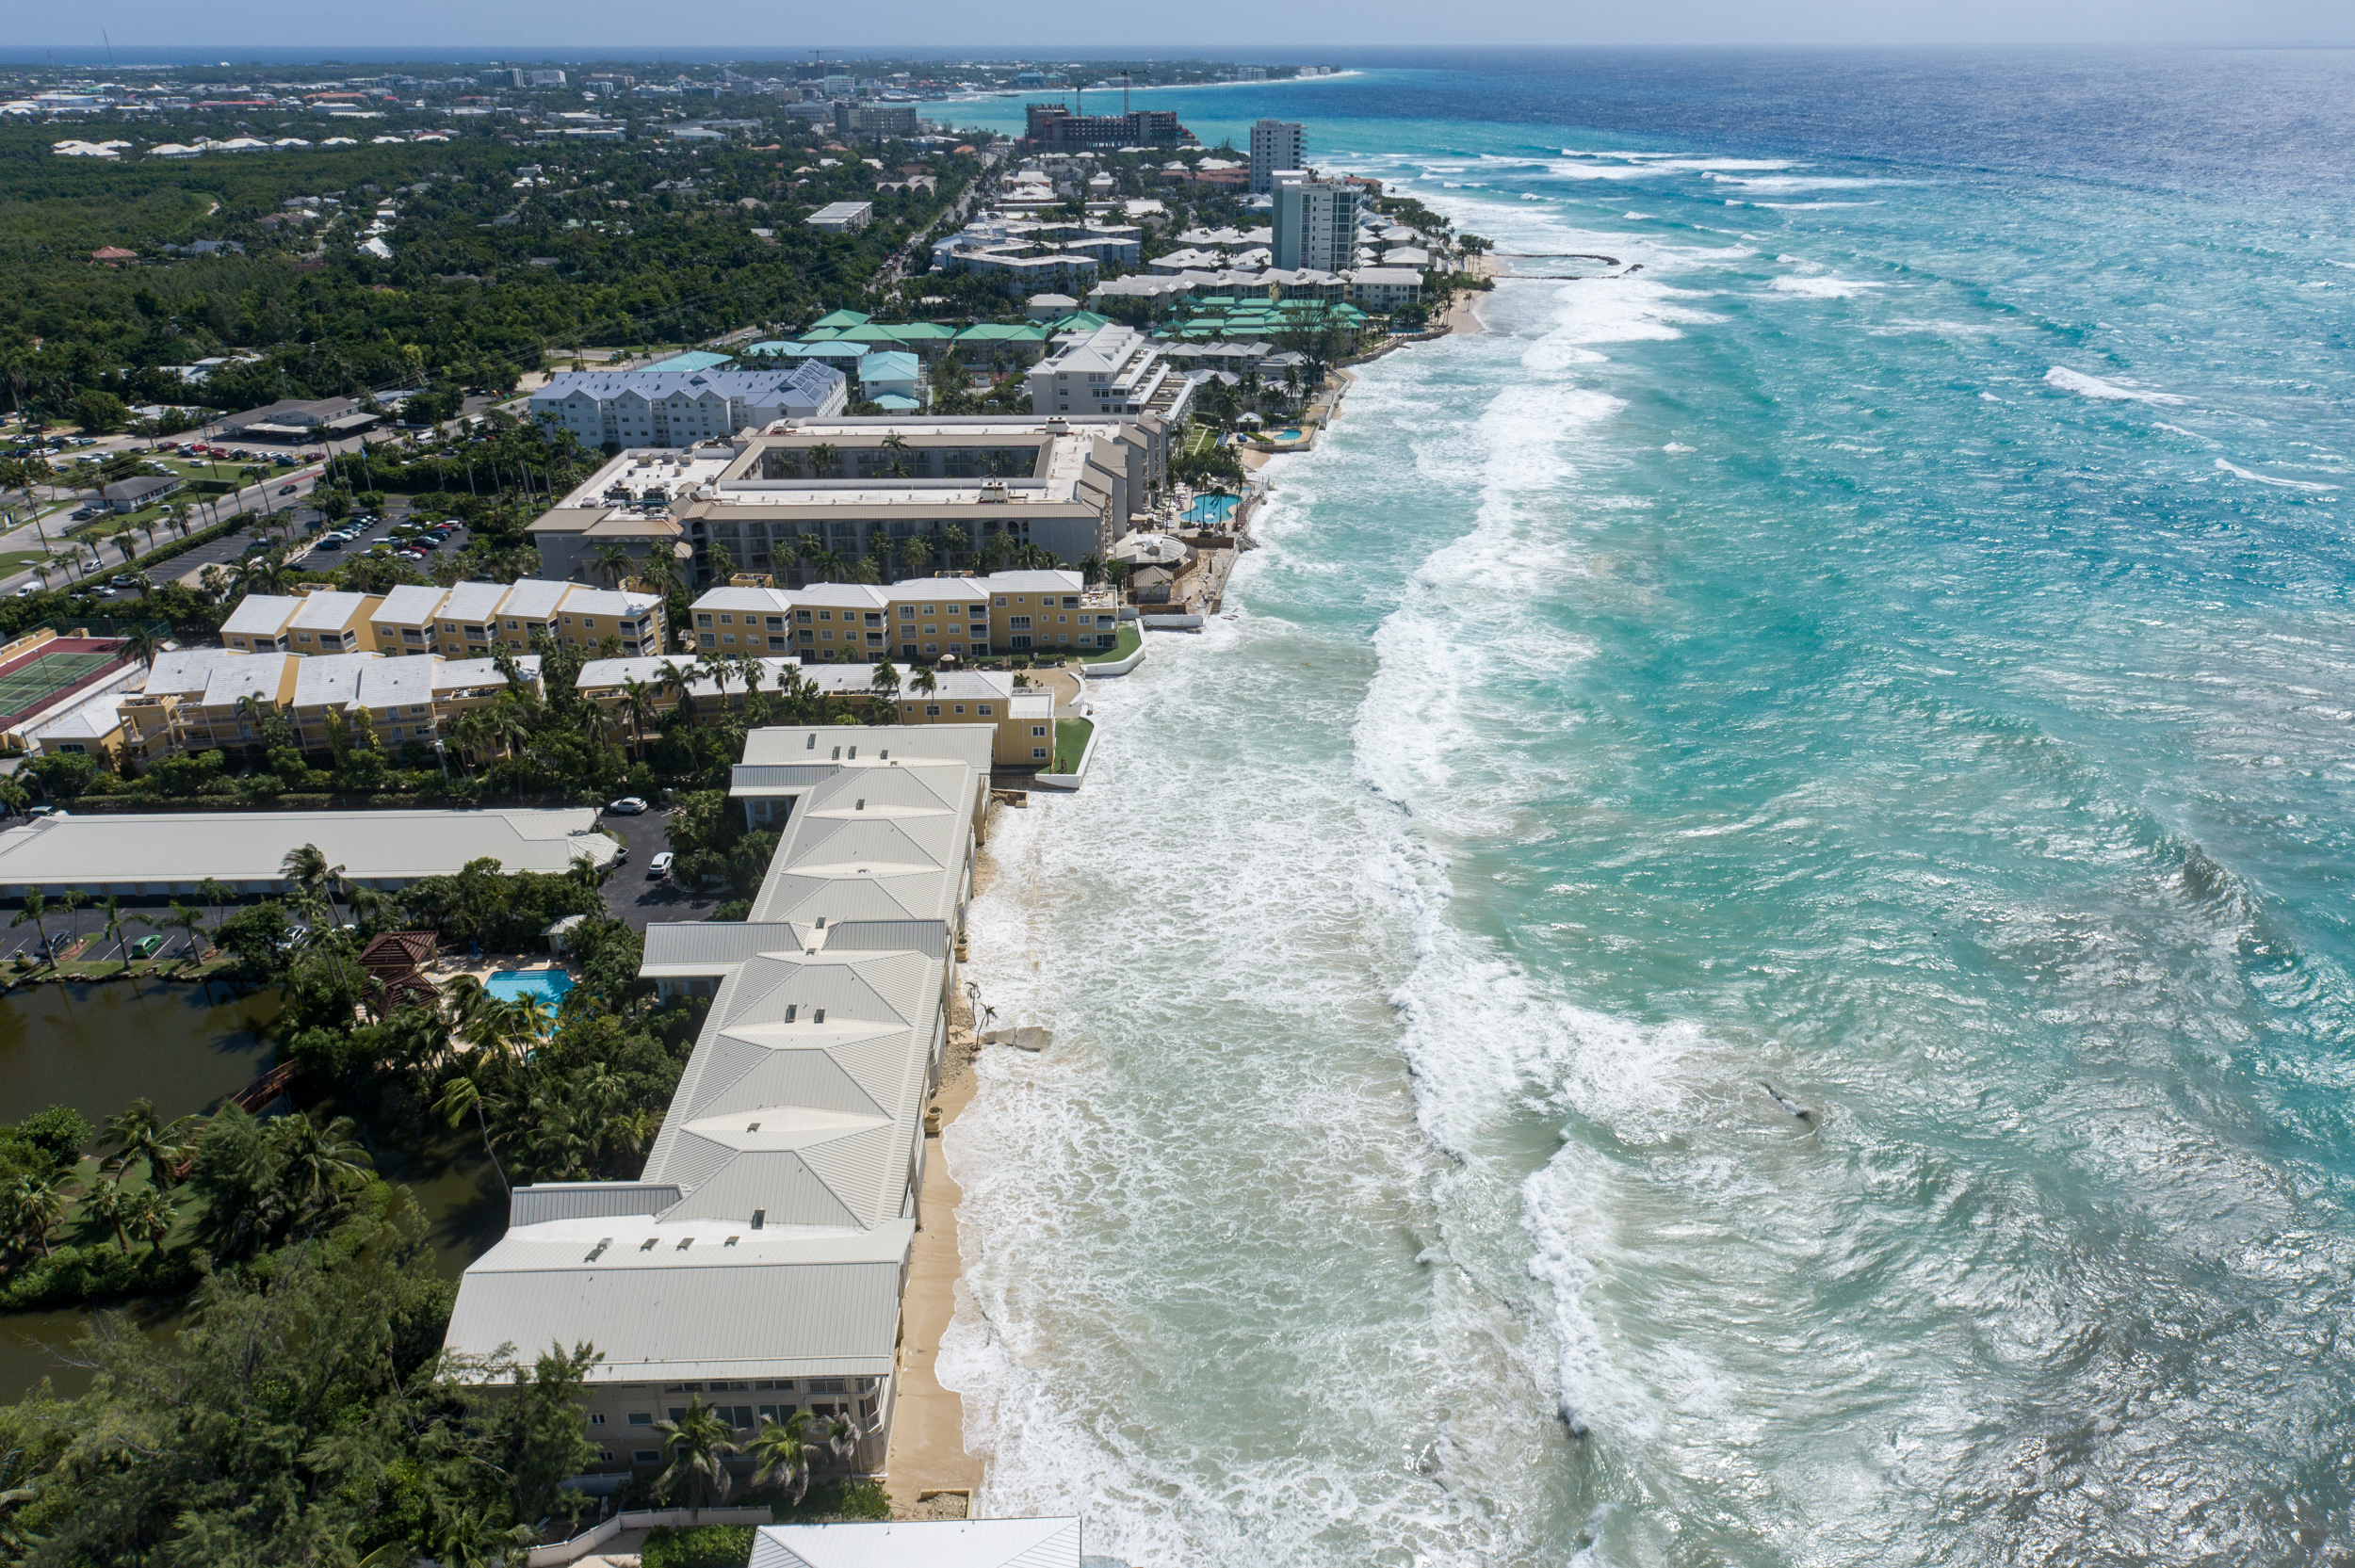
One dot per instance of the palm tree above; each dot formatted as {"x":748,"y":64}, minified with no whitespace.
{"x":460,"y":1097}
{"x":109,"y":1205}
{"x":191,"y":923}
{"x":916,"y":553}
{"x":680,"y":684}
{"x":924,"y":680}
{"x":822,"y":457}
{"x":315,"y":1160}
{"x":884,"y":681}
{"x":697,"y":1444}
{"x":307,"y":870}
{"x":781,"y":1453}
{"x":36,"y":906}
{"x":113,"y":931}
{"x":637,"y":700}
{"x":31,"y":1206}
{"x":150,"y":1216}
{"x":952,"y":540}
{"x":615,"y":563}
{"x":138,"y":1133}
{"x":717,"y":667}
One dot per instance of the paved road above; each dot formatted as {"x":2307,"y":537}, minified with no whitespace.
{"x":631,"y":894}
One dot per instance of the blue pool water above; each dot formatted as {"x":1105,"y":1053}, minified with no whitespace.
{"x":548,"y":985}
{"x":1211,"y":509}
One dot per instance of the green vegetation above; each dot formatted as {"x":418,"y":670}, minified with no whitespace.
{"x":628,"y":242}
{"x":698,"y":1546}
{"x":1071,"y":742}
{"x":1132,"y":638}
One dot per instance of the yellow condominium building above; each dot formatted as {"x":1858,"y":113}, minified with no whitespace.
{"x":1021,"y":718}
{"x":468,"y":621}
{"x":198,"y":699}
{"x":919,"y":619}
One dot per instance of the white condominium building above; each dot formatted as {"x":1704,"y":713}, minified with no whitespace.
{"x":1316,"y":224}
{"x":757,"y":1261}
{"x":680,"y":407}
{"x":1113,"y":369}
{"x":1277,"y":146}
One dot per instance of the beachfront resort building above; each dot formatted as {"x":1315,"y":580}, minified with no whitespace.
{"x":1316,"y":224}
{"x":1113,"y":369}
{"x":1019,"y":712}
{"x":1277,"y":146}
{"x":804,"y":489}
{"x":759,"y":1261}
{"x":918,"y":620}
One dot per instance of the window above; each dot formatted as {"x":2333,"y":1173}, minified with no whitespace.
{"x":645,"y":1456}
{"x":641,"y":1419}
{"x":1037,"y":731}
{"x":982,"y":710}
{"x":932,"y":710}
{"x":958,"y":707}
{"x":699,"y":621}
{"x":596,"y":1418}
{"x":802,"y":616}
{"x":511,"y":625}
{"x":826,"y":615}
{"x":908,"y":613}
{"x":1038,"y":752}
{"x":1001,"y":601}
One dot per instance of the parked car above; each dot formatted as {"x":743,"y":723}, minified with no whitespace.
{"x":628,"y":805}
{"x":147,"y":946}
{"x":330,"y":542}
{"x":659,"y":867}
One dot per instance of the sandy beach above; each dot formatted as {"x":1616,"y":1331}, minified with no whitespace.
{"x":928,"y":1453}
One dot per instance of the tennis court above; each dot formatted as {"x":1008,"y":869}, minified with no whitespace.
{"x":34,"y":679}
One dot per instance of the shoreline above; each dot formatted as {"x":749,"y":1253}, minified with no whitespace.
{"x":928,"y":1452}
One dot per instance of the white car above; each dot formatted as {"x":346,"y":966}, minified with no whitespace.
{"x":659,"y":867}
{"x":628,"y":805}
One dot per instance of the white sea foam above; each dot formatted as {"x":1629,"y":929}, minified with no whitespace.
{"x":1825,"y":288}
{"x":1676,"y":448}
{"x":2105,"y":392}
{"x":2271,"y":478}
{"x":1805,"y":206}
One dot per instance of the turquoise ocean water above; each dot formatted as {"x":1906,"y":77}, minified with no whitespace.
{"x":1895,"y":646}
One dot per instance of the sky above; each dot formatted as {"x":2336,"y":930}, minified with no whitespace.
{"x":1304,"y":31}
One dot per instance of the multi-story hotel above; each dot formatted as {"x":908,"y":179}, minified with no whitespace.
{"x":1070,"y":484}
{"x":759,"y":1259}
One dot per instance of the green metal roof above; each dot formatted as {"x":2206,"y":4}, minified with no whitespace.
{"x":838,"y":319}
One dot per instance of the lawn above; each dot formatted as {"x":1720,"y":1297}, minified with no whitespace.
{"x":1071,"y":742}
{"x":1130,"y":640}
{"x":13,"y":562}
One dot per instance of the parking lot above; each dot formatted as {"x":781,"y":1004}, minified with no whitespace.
{"x":65,"y":928}
{"x":629,"y":894}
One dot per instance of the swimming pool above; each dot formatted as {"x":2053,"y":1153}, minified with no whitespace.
{"x":1211,"y":509}
{"x":1290,"y":433}
{"x":546,"y":986}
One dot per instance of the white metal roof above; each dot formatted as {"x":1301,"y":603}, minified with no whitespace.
{"x":158,"y":851}
{"x":1045,"y":1543}
{"x":797,"y":1125}
{"x":259,"y":615}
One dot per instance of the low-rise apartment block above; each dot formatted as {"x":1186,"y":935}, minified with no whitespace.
{"x":680,"y":407}
{"x":208,"y":699}
{"x":919,"y":619}
{"x":1020,"y":717}
{"x":1112,"y":370}
{"x":468,"y":621}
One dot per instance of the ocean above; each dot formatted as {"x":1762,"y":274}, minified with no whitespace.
{"x":1893,"y":647}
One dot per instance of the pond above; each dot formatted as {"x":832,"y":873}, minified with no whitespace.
{"x":99,"y":1047}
